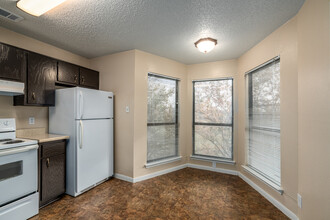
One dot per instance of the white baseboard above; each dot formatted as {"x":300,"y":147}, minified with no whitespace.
{"x":123,"y":177}
{"x":271,"y":199}
{"x":148,"y":176}
{"x":218,"y":170}
{"x":159,"y":173}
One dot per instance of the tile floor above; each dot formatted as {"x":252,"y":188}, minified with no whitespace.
{"x":184,"y":194}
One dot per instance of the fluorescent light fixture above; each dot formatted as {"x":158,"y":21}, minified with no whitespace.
{"x":38,"y":7}
{"x":205,"y":45}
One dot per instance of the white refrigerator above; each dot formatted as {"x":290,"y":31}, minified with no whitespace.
{"x":86,"y":115}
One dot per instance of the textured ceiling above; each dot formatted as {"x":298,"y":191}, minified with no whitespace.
{"x":168,"y":28}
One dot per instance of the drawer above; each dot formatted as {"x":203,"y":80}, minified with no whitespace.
{"x":52,"y":149}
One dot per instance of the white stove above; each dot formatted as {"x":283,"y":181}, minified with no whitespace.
{"x":8,"y":135}
{"x":18,"y":174}
{"x":15,"y":142}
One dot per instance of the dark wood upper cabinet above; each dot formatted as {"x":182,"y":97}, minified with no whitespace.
{"x":67,"y":73}
{"x":12,"y":63}
{"x":41,"y":80}
{"x":40,"y":75}
{"x":89,"y":78}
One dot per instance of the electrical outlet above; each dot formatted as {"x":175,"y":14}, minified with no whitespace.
{"x":127,"y":109}
{"x":299,"y":198}
{"x":31,"y":121}
{"x":214,"y":164}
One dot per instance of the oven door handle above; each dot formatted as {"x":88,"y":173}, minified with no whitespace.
{"x":17,"y":150}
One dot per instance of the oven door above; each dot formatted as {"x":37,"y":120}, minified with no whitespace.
{"x":18,"y":173}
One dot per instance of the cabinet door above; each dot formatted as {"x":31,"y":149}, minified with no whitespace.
{"x":12,"y":63}
{"x":41,"y":80}
{"x":52,"y":178}
{"x":89,"y":78}
{"x":67,"y":73}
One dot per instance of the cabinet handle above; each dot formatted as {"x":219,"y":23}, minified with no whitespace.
{"x":47,"y":162}
{"x":82,"y":79}
{"x":33,"y":96}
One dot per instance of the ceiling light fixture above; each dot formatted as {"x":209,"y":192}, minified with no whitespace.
{"x":205,"y":45}
{"x":38,"y":7}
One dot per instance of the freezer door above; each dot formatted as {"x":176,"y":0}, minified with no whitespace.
{"x":94,"y":146}
{"x":93,"y":104}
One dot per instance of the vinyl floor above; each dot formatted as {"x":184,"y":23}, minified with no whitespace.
{"x":184,"y":194}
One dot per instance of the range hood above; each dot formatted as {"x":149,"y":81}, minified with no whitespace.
{"x":11,"y":88}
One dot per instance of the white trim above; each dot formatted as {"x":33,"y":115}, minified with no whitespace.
{"x":218,"y":170}
{"x":213,"y":79}
{"x":262,"y":65}
{"x":163,"y":76}
{"x":161,"y":162}
{"x":271,"y":199}
{"x":264,"y":179}
{"x":203,"y":158}
{"x":123,"y":177}
{"x":159,"y":173}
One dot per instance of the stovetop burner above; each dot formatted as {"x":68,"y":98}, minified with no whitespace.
{"x":7,"y":139}
{"x":13,"y":142}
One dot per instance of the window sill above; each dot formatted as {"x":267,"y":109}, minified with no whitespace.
{"x":161,"y":162}
{"x":210,"y":159}
{"x":264,"y":179}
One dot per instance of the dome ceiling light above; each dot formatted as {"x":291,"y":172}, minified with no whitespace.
{"x":38,"y":7}
{"x":205,"y":45}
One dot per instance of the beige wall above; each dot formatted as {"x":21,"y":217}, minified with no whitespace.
{"x":213,"y":70}
{"x":27,"y":43}
{"x":282,"y":42}
{"x":144,"y":63}
{"x":303,"y":45}
{"x":40,"y":113}
{"x":286,"y":43}
{"x":314,"y":109}
{"x":22,"y":113}
{"x":117,"y":76}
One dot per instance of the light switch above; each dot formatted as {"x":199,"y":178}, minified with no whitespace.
{"x":31,"y":120}
{"x":127,"y":109}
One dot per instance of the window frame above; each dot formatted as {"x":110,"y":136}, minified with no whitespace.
{"x":249,"y":99}
{"x":176,"y":122}
{"x":194,"y":123}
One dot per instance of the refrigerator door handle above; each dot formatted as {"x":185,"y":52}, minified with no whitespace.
{"x":81,"y":134}
{"x":81,"y":102}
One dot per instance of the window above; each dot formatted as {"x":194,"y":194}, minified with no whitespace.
{"x":163,"y":107}
{"x":213,"y":118}
{"x":263,"y":102}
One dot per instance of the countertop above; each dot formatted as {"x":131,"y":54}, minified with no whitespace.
{"x":40,"y":135}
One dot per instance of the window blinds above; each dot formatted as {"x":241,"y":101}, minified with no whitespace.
{"x":213,"y":118}
{"x":263,"y":120}
{"x":162,"y":118}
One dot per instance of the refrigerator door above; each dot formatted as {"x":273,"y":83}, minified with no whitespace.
{"x":93,"y":104}
{"x":94,"y":152}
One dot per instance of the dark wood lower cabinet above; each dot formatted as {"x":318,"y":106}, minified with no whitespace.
{"x":51,"y":171}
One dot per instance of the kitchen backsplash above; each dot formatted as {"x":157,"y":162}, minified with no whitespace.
{"x":22,"y":114}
